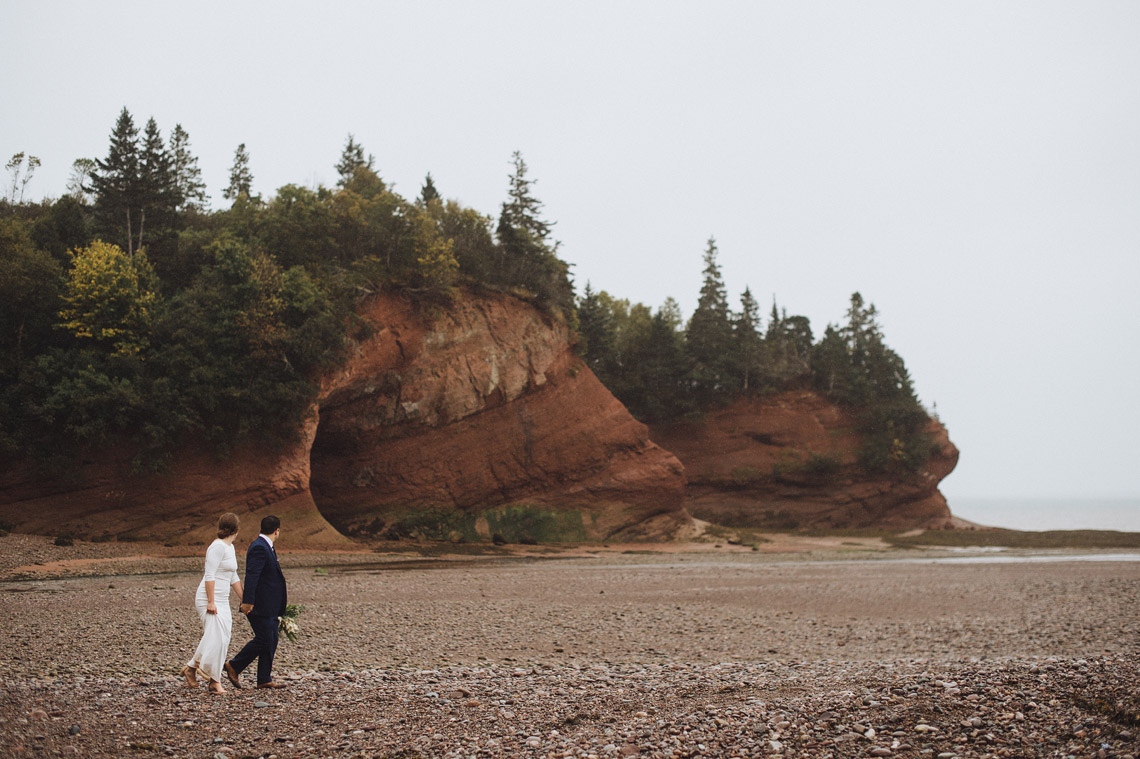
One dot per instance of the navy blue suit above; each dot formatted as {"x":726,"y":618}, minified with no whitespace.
{"x":264,"y":587}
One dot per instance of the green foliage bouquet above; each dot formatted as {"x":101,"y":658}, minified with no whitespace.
{"x":287,"y":622}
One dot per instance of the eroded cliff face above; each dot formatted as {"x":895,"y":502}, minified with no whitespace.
{"x":751,"y":464}
{"x":475,"y":420}
{"x":101,"y":497}
{"x":484,"y":421}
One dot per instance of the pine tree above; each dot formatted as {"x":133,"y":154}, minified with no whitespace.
{"x":352,"y":159}
{"x":241,"y":178}
{"x":190,"y":190}
{"x":708,"y":339}
{"x":116,"y":183}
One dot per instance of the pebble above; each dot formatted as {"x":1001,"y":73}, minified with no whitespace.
{"x":455,"y":664}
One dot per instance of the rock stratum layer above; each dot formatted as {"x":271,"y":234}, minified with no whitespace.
{"x":789,"y":461}
{"x":475,"y":421}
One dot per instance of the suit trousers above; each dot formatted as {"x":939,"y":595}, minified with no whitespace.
{"x":262,"y":647}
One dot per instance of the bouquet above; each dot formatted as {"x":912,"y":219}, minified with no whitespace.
{"x":287,"y":622}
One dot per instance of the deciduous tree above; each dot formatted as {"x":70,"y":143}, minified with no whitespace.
{"x":109,"y":298}
{"x":20,"y":168}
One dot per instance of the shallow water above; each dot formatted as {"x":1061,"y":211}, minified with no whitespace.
{"x":1051,"y":513}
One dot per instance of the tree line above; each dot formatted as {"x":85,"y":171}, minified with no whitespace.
{"x":129,"y":311}
{"x":666,"y":369}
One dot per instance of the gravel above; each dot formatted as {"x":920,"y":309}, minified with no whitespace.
{"x":674,"y":655}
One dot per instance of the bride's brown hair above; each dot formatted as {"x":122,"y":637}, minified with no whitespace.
{"x":227,"y":525}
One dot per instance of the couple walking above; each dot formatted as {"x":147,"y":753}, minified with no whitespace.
{"x":262,"y":601}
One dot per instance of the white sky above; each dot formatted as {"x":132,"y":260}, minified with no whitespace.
{"x":973,"y":168}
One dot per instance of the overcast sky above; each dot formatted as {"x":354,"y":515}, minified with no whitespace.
{"x":973,"y":169}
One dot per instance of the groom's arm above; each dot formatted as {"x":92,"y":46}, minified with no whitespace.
{"x":254,"y":565}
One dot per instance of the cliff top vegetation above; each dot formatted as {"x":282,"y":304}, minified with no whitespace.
{"x":129,"y":311}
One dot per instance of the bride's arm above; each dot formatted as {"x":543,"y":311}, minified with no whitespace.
{"x":211,"y":607}
{"x":237,"y":589}
{"x":214,"y":556}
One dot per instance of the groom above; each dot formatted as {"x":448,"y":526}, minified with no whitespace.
{"x":262,"y":601}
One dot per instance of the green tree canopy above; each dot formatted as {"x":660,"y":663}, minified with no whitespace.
{"x":110,"y":298}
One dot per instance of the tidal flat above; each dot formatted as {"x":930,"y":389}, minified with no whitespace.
{"x":616,"y":654}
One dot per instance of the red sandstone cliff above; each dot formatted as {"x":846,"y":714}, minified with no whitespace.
{"x":477,"y":420}
{"x":484,"y":421}
{"x":750,"y":465}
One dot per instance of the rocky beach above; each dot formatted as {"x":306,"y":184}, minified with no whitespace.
{"x":606,"y":653}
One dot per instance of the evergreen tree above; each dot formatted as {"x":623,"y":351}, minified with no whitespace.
{"x":746,"y":334}
{"x":598,"y":337}
{"x":241,"y":178}
{"x":526,"y":254}
{"x":520,"y":222}
{"x":352,"y":159}
{"x":708,"y":339}
{"x":666,"y":369}
{"x":428,"y":192}
{"x":116,"y":183}
{"x":157,"y":193}
{"x":190,"y":190}
{"x":831,"y":365}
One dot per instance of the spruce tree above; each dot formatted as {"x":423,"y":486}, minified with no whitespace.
{"x":521,"y":214}
{"x":116,"y":182}
{"x":241,"y":178}
{"x":351,"y":160}
{"x":157,"y":197}
{"x":428,"y":192}
{"x":598,"y":335}
{"x":746,"y":334}
{"x":708,"y":339}
{"x":190,"y":190}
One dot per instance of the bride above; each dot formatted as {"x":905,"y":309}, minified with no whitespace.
{"x":213,"y":604}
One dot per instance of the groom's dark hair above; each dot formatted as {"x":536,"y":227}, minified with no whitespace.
{"x":269,"y":525}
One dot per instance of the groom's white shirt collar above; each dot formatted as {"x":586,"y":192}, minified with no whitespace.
{"x":268,"y":539}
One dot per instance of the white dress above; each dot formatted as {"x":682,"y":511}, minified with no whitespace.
{"x":222,"y":568}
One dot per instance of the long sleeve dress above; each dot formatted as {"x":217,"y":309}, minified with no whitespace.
{"x":222,"y":568}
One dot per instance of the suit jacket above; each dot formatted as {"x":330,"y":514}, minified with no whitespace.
{"x":264,"y":583}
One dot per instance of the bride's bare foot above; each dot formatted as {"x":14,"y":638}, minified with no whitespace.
{"x":216,"y":687}
{"x":191,"y":677}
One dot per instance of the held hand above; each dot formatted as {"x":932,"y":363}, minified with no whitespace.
{"x":211,"y":608}
{"x":246,"y":608}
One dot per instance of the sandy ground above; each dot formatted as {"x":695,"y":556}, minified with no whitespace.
{"x":605,"y":653}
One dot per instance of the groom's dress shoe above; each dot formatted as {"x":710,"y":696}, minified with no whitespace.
{"x":271,"y":684}
{"x":232,"y":675}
